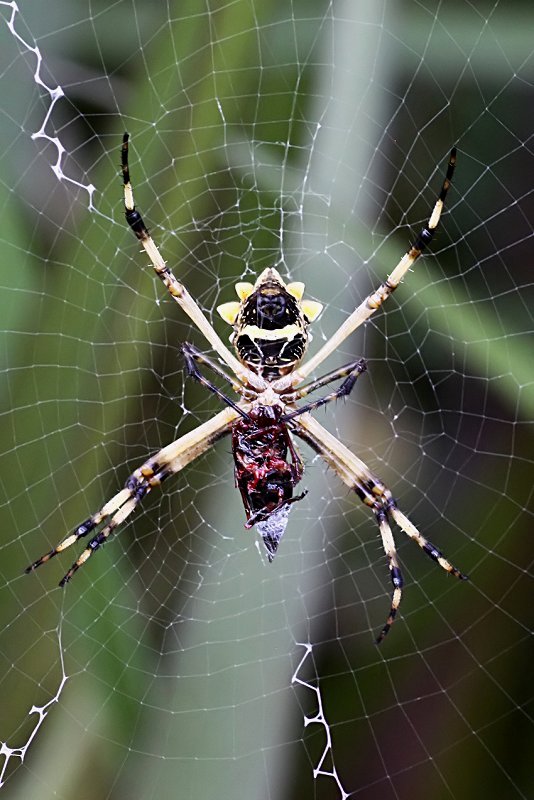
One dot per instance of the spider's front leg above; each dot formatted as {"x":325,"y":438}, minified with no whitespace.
{"x":374,"y":301}
{"x":168,"y":461}
{"x":176,"y":289}
{"x":371,"y":491}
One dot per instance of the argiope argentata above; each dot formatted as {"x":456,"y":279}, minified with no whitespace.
{"x":270,"y":323}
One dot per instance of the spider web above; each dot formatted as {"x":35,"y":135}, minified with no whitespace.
{"x":312,"y":136}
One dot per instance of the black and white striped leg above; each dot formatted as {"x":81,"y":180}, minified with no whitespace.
{"x":113,"y":513}
{"x":175,"y":288}
{"x":395,"y":573}
{"x":137,"y":487}
{"x":168,"y":461}
{"x":427,"y":547}
{"x":375,"y":300}
{"x":374,"y":494}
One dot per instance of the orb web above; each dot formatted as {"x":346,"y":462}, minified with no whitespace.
{"x":312,"y":137}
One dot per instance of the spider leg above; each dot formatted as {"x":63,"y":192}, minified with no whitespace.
{"x":192,"y":356}
{"x":388,"y":543}
{"x":168,"y":461}
{"x":175,"y":288}
{"x":351,"y":373}
{"x":371,"y":491}
{"x":193,"y":352}
{"x":373,"y":302}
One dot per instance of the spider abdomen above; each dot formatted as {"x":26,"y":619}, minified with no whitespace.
{"x":270,"y":324}
{"x":267,"y":468}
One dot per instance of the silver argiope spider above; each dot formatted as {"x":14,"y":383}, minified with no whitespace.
{"x":270,"y":335}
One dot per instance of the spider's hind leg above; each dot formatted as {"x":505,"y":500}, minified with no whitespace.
{"x":390,"y":550}
{"x":373,"y":493}
{"x":113,"y":513}
{"x":137,"y":486}
{"x":168,"y":461}
{"x":389,"y":508}
{"x":427,"y":547}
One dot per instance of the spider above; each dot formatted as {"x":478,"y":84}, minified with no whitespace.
{"x":270,"y":322}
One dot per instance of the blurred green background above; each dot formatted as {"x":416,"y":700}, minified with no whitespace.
{"x":313,"y":136}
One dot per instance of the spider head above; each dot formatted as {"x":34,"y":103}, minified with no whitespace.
{"x":270,"y":323}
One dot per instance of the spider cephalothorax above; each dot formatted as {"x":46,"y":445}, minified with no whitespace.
{"x":270,"y":323}
{"x":270,"y":336}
